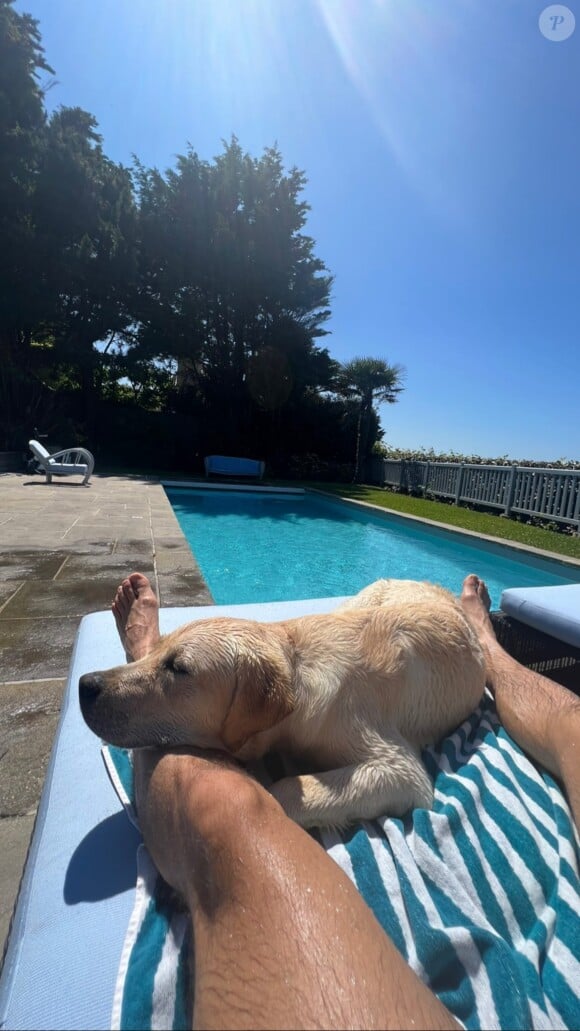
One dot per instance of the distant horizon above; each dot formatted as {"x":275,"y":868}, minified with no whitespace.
{"x":442,"y":164}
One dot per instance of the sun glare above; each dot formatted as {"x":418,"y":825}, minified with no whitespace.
{"x":238,"y":44}
{"x":394,"y":54}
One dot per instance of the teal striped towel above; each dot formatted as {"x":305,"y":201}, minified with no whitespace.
{"x":481,"y":895}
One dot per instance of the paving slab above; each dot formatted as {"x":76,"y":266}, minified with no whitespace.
{"x":34,"y":564}
{"x":133,"y":532}
{"x":51,"y":541}
{"x":8,"y":589}
{"x":34,"y":649}
{"x":89,"y":535}
{"x":126,"y":558}
{"x":162,"y":528}
{"x":54,"y":599}
{"x":29,"y":715}
{"x":15,"y":834}
{"x":185,"y":588}
{"x":173,"y":554}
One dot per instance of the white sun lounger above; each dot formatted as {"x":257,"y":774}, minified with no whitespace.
{"x":74,"y":461}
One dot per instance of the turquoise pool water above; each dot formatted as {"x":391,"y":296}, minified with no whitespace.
{"x":268,"y":547}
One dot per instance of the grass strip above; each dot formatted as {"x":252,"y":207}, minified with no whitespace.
{"x":456,"y":515}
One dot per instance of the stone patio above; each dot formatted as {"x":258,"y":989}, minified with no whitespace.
{"x":64,"y":548}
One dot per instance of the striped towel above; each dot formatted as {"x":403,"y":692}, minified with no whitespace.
{"x":481,"y":895}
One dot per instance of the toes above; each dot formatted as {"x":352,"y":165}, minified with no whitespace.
{"x":140,"y":583}
{"x":472,"y":585}
{"x":484,"y":594}
{"x":128,"y":592}
{"x":135,"y":595}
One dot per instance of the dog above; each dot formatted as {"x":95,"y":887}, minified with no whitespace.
{"x":355,"y":694}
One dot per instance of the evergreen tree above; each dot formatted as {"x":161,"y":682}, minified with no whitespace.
{"x":86,"y":248}
{"x":22,"y":124}
{"x":230,"y":287}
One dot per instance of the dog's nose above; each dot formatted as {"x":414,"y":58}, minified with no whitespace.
{"x":90,"y":686}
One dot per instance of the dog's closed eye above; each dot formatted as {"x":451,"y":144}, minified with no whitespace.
{"x":173,"y":665}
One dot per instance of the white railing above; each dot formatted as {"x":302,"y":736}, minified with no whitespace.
{"x":551,"y":494}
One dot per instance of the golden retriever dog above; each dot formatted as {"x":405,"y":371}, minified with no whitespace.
{"x":355,"y":694}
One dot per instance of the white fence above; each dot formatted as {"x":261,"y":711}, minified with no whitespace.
{"x":550,"y":494}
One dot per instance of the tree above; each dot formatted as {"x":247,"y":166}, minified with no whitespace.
{"x":22,"y":124}
{"x":195,"y":296}
{"x":372,"y":381}
{"x":231,"y":289}
{"x":85,"y":249}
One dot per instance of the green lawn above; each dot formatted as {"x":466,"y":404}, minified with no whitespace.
{"x":453,"y":515}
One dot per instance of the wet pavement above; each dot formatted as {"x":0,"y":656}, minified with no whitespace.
{"x":64,"y":549}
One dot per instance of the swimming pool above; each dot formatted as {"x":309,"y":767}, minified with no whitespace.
{"x":255,"y":547}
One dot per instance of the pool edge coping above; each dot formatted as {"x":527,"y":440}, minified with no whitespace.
{"x":253,"y":487}
{"x":500,"y":541}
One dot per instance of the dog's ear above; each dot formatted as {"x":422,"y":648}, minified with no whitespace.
{"x":262,"y":697}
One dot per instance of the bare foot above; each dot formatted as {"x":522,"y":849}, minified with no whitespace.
{"x":476,"y":603}
{"x":136,"y":611}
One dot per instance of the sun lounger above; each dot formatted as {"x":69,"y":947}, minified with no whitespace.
{"x":501,"y":950}
{"x":553,"y":610}
{"x":540,"y":627}
{"x":73,"y":461}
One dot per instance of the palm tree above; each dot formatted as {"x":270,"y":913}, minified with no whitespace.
{"x":372,"y":381}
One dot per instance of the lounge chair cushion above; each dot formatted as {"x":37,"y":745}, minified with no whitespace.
{"x":553,"y":610}
{"x":482,"y":894}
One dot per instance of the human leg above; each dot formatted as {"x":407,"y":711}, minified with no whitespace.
{"x":542,"y":716}
{"x":282,"y":937}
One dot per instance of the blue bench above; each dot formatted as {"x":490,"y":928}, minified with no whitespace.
{"x":223,"y":465}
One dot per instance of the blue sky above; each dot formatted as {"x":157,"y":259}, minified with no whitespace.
{"x":441,"y":144}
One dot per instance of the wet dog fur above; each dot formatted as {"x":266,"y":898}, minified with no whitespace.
{"x":354,"y":694}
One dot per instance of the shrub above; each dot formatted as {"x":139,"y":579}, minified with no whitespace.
{"x":429,"y":455}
